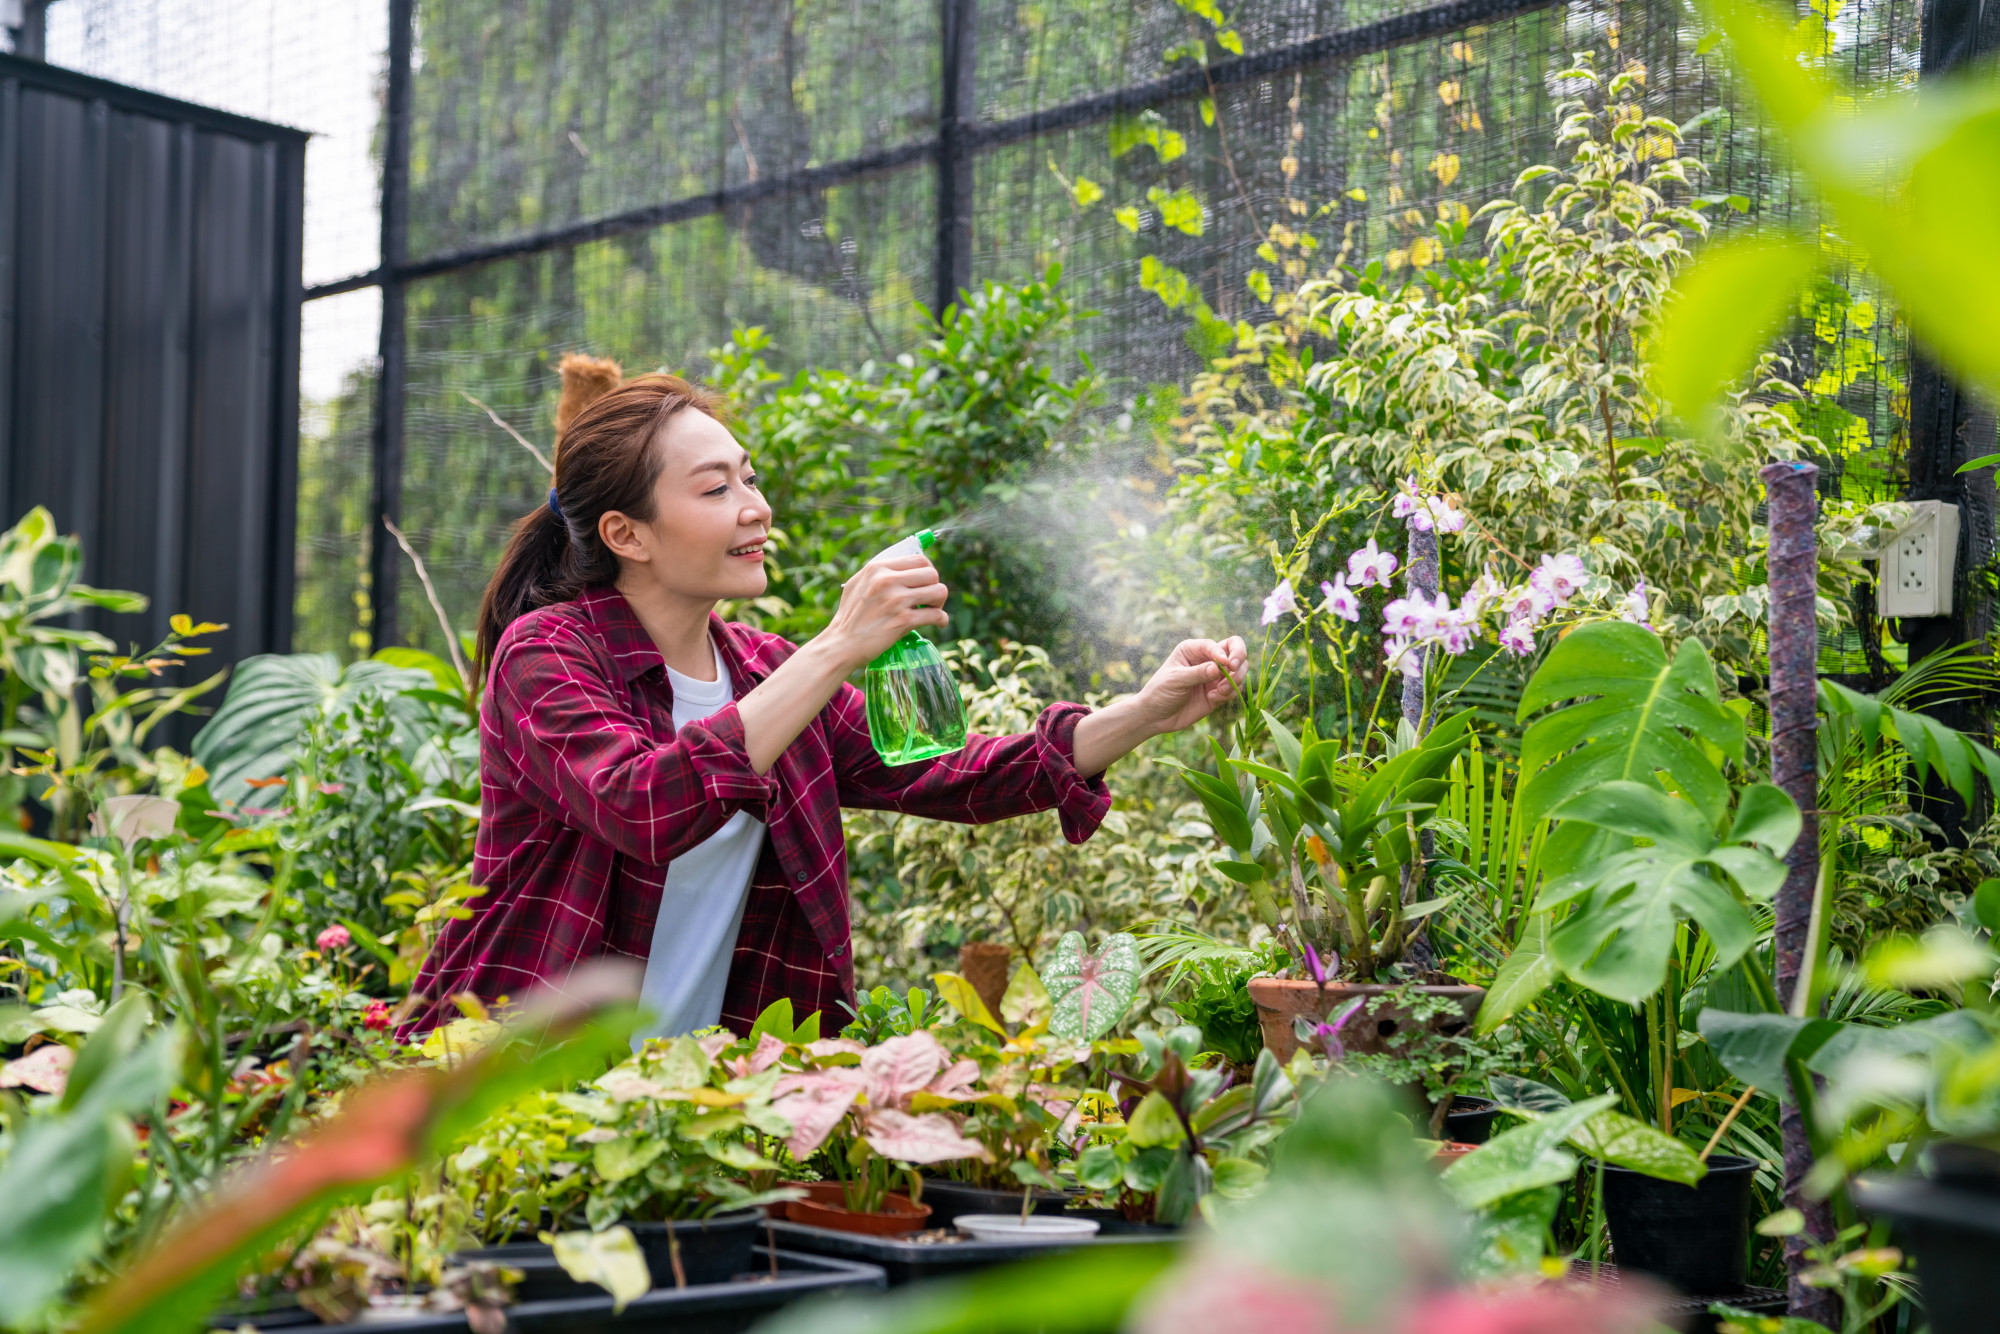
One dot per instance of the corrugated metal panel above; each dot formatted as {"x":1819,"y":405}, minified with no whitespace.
{"x":149,"y":339}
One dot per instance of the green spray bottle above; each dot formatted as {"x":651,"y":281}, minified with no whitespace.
{"x":914,"y":708}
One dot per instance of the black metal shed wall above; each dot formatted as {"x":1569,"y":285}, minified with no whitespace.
{"x":149,"y":340}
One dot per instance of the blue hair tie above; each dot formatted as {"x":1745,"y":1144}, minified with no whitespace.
{"x":555,"y":508}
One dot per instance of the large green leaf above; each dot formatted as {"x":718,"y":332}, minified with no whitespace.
{"x":270,"y":700}
{"x":1522,"y":1159}
{"x":1723,"y":311}
{"x":58,"y":1178}
{"x":1617,"y":1138}
{"x":1755,"y":1047}
{"x":1524,"y":976}
{"x":1617,"y":939}
{"x":1912,"y":180}
{"x":1636,"y":714}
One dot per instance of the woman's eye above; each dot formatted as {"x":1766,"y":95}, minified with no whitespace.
{"x":722,"y":490}
{"x":754,"y":482}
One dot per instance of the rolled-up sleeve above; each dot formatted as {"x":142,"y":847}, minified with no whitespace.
{"x":584,"y":757}
{"x":991,"y":779}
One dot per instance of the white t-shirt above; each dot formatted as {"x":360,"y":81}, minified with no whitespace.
{"x":701,"y":906}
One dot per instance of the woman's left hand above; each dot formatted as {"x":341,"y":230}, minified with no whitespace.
{"x":1197,"y":678}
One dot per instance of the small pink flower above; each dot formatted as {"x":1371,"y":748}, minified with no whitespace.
{"x":1371,"y":566}
{"x":376,"y":1016}
{"x":332,"y":789}
{"x":1409,"y":618}
{"x":1560,"y":576}
{"x":1405,"y":656}
{"x":1636,"y":606}
{"x":333,"y":938}
{"x":1518,"y":638}
{"x":1279,"y":601}
{"x":1448,"y":517}
{"x":1409,"y":505}
{"x":1528,"y":604}
{"x":1340,"y":599}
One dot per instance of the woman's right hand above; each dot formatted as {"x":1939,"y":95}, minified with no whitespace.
{"x":882,"y":602}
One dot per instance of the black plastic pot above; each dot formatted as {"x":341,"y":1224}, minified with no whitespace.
{"x":1470,"y":1120}
{"x":949,"y":1199}
{"x":713,"y":1250}
{"x":729,"y":1307}
{"x":1111,"y":1223}
{"x":907,"y":1260}
{"x":1696,"y":1238}
{"x":1952,"y":1223}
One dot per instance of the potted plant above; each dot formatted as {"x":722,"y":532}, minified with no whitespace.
{"x":1180,"y":1132}
{"x":1044,"y":1033}
{"x":659,"y":1145}
{"x":863,"y":1123}
{"x":1344,"y":830}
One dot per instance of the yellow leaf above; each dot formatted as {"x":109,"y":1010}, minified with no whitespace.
{"x":1682,"y":1095}
{"x":1289,"y":165}
{"x":954,"y":990}
{"x":1445,"y":167}
{"x":1448,"y":92}
{"x":1086,"y":192}
{"x":1128,"y":218}
{"x":1422,"y":251}
{"x":1358,"y":195}
{"x":1395,"y":259}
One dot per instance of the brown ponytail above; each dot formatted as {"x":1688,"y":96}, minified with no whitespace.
{"x":607,"y":458}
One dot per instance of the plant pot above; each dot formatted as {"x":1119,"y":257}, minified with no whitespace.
{"x":1450,"y":1152}
{"x":822,"y":1207}
{"x":1696,"y":1238}
{"x":1035,"y":1229}
{"x":1279,"y":1001}
{"x":1951,"y":1221}
{"x":1470,"y":1120}
{"x":949,"y":1199}
{"x":713,"y":1250}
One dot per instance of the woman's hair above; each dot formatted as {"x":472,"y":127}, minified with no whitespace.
{"x":607,"y":458}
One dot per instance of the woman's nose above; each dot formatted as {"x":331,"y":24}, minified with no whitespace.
{"x":757,"y":511}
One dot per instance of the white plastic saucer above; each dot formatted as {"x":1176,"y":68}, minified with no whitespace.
{"x":1034,"y":1228}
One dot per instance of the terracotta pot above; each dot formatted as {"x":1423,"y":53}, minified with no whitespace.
{"x":1279,"y":1002}
{"x":822,"y":1207}
{"x":1450,"y":1152}
{"x":985,"y":966}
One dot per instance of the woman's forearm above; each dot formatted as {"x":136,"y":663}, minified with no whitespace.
{"x":1109,"y":735}
{"x":789,"y":698}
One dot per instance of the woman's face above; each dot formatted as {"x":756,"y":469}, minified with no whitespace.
{"x":706,"y":538}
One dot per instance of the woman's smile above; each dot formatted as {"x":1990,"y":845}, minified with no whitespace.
{"x":754,"y":551}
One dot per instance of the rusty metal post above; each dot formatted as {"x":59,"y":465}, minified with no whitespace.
{"x":1793,"y":565}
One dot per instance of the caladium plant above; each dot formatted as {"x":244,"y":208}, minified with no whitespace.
{"x":1090,"y":993}
{"x":872,"y":1109}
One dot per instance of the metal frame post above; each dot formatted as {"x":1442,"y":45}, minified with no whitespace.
{"x":958,"y":114}
{"x":386,"y":493}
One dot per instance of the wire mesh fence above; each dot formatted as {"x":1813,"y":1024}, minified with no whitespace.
{"x":639,"y":177}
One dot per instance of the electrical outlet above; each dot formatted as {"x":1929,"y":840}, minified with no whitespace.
{"x":1916,"y":563}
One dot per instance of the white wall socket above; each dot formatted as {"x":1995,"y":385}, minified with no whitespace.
{"x":1916,"y":563}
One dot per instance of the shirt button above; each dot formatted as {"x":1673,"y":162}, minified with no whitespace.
{"x":804,"y":876}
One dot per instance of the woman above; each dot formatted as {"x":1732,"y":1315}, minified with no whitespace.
{"x":660,"y":784}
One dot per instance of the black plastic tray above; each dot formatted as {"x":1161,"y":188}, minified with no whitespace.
{"x":908,"y":1261}
{"x":711,"y":1308}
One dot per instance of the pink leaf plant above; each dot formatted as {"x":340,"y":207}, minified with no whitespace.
{"x":877,"y":1098}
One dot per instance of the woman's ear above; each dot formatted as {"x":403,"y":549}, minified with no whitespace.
{"x":622,"y":537}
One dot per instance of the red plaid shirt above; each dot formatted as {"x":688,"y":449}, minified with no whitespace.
{"x":587,"y":793}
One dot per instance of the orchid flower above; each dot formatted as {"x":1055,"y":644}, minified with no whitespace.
{"x":1279,"y":601}
{"x":1371,"y":566}
{"x":1448,"y":517}
{"x":1560,"y":576}
{"x":1340,"y":599}
{"x":1518,"y":638}
{"x":1636,"y":606}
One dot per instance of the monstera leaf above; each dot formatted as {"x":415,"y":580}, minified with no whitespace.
{"x":1637,"y":714}
{"x":1091,"y":992}
{"x":1617,"y":940}
{"x":269,"y":703}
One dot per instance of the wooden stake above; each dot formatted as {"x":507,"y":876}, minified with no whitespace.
{"x":1728,"y":1121}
